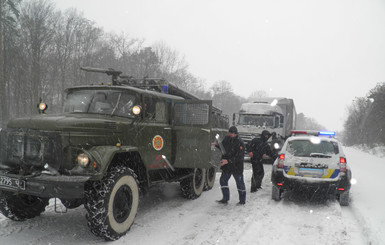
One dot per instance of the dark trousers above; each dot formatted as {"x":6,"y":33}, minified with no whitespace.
{"x":258,"y":173}
{"x":224,"y":181}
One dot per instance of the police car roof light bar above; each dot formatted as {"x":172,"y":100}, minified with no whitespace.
{"x":309,"y":132}
{"x":327,"y":133}
{"x":295,"y":132}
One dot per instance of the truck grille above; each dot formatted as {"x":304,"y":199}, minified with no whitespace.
{"x":110,"y":125}
{"x":29,"y":150}
{"x":246,"y":137}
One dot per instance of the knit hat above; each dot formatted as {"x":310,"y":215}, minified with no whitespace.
{"x":265,"y":132}
{"x":233,"y":130}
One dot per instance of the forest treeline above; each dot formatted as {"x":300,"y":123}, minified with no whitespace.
{"x":365,"y":123}
{"x":43,"y":48}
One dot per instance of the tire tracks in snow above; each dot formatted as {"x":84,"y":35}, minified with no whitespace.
{"x":360,"y":229}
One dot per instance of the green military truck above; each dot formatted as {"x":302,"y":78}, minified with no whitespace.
{"x":110,"y":144}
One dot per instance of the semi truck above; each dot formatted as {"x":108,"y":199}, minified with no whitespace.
{"x":275,"y":114}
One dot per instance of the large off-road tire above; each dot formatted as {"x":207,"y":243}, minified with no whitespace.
{"x":71,"y":203}
{"x":210,"y":178}
{"x":344,"y":198}
{"x":112,"y":203}
{"x":20,"y":207}
{"x":276,"y":193}
{"x":192,"y":186}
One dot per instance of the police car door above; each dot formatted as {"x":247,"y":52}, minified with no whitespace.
{"x":192,"y":130}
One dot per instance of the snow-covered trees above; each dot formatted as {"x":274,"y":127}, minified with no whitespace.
{"x":365,"y":123}
{"x":42,"y":50}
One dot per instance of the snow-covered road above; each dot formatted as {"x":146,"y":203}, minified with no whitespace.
{"x":167,"y":218}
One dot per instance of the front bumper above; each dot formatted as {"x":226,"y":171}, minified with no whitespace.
{"x":48,"y":186}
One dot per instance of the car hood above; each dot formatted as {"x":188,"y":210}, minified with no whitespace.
{"x":65,"y":122}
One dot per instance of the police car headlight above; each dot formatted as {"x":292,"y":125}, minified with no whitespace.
{"x":276,"y":146}
{"x":83,"y":160}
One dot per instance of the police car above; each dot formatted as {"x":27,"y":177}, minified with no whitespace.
{"x":312,"y":161}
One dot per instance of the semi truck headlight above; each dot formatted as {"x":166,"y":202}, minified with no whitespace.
{"x":83,"y":160}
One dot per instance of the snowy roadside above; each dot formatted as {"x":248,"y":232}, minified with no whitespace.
{"x":367,"y":193}
{"x":376,"y":150}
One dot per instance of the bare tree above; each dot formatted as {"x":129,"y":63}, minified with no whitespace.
{"x":38,"y":28}
{"x":124,"y":46}
{"x":354,"y":124}
{"x":366,"y":116}
{"x":171,"y":61}
{"x":257,"y":94}
{"x":308,"y":123}
{"x":9,"y":14}
{"x":225,"y":99}
{"x":221,"y":87}
{"x":75,"y":41}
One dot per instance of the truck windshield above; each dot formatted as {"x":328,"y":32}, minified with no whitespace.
{"x":106,"y":102}
{"x":256,"y":120}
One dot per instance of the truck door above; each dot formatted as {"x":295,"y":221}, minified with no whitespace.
{"x":154,"y":133}
{"x":191,"y":134}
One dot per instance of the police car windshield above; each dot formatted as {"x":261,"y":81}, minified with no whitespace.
{"x":107,"y":102}
{"x":256,"y":120}
{"x":306,"y":148}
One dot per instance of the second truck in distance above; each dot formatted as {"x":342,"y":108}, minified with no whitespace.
{"x":275,"y":114}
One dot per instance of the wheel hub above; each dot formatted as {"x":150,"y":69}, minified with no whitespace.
{"x":122,"y":204}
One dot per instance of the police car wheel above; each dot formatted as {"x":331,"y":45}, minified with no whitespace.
{"x":192,"y":187}
{"x":210,"y":178}
{"x":344,"y":198}
{"x":21,"y":207}
{"x":276,"y":193}
{"x":112,"y":203}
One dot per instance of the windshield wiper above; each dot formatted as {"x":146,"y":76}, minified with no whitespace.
{"x":89,"y":105}
{"x":117,"y":103}
{"x":321,"y":155}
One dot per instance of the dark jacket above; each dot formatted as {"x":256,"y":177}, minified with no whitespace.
{"x":235,"y":149}
{"x":259,"y":147}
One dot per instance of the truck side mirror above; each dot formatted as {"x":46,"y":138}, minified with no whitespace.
{"x":276,"y":122}
{"x":234,"y":118}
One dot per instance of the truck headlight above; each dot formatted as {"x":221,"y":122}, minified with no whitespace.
{"x":83,"y":160}
{"x":42,"y":107}
{"x":136,"y":110}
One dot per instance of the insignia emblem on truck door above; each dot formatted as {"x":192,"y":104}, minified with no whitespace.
{"x":157,"y":142}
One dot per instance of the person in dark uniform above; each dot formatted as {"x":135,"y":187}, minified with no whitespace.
{"x":256,"y":148}
{"x":232,"y":164}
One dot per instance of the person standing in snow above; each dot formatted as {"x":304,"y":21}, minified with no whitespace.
{"x":232,"y":164}
{"x":256,"y":148}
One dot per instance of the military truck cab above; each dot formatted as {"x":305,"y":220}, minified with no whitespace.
{"x":110,"y":143}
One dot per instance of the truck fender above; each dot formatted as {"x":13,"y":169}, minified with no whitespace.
{"x":104,"y":155}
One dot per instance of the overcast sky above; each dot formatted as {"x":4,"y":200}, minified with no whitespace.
{"x":321,"y":53}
